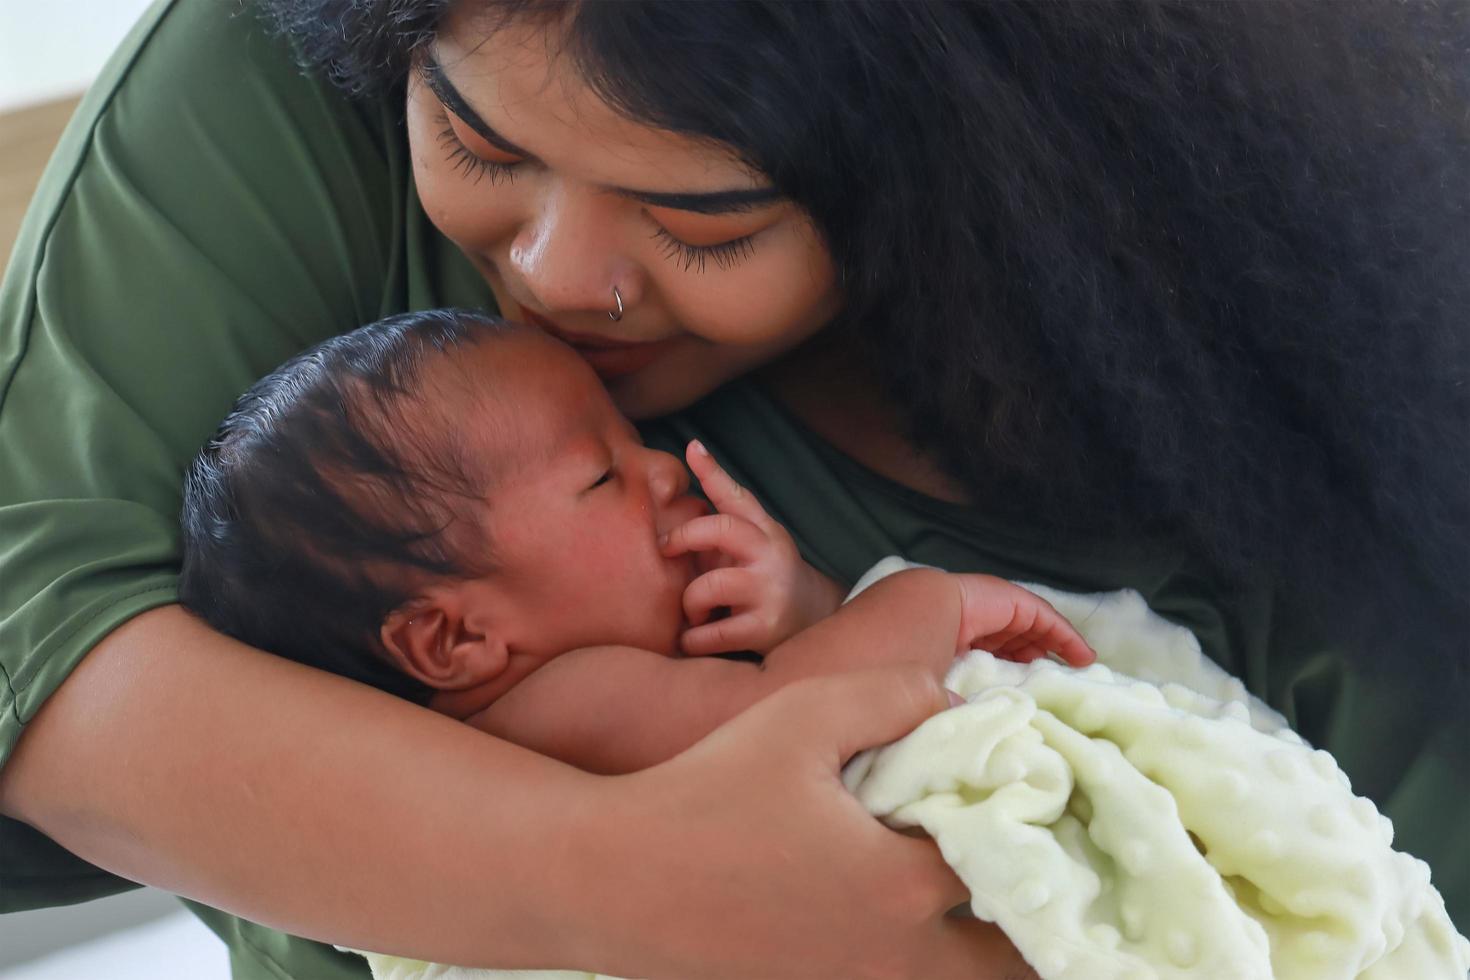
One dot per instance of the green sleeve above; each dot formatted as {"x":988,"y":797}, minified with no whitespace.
{"x":209,"y":212}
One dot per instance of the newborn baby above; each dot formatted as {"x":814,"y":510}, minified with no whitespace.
{"x":457,"y":500}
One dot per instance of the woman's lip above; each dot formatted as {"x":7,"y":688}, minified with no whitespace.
{"x":575,"y":339}
{"x":609,"y":358}
{"x":614,"y":362}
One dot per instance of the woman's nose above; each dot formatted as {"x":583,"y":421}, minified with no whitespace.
{"x":567,"y":253}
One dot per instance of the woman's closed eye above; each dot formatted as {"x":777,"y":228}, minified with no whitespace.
{"x":693,"y":257}
{"x":692,"y":239}
{"x":606,"y":477}
{"x":477,"y":162}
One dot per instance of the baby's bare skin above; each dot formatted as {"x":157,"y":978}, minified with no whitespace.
{"x":620,"y":709}
{"x":615,"y":709}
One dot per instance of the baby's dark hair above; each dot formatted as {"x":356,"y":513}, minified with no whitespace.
{"x":323,"y":502}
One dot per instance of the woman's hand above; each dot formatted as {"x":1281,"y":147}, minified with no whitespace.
{"x":182,"y":759}
{"x":745,"y":856}
{"x":751,"y":567}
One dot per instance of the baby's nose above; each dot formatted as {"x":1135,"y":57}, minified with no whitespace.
{"x":667,"y":477}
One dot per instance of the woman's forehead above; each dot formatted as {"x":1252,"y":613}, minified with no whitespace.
{"x":523,"y":82}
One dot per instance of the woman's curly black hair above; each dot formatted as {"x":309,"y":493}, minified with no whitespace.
{"x":1193,"y":270}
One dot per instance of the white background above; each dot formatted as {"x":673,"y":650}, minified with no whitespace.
{"x":53,"y":48}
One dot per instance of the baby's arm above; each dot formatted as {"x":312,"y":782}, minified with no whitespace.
{"x":927,"y":616}
{"x":618,"y":709}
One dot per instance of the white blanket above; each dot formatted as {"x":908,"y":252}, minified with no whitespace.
{"x":1141,"y":818}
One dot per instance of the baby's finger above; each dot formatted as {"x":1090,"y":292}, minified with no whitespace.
{"x":725,"y":533}
{"x":720,"y":487}
{"x":1048,"y":634}
{"x":727,"y":587}
{"x":1036,"y":622}
{"x":1023,"y":654}
{"x":1063,"y":640}
{"x":722,"y":636}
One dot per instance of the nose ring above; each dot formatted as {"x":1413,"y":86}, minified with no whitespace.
{"x":617,"y":314}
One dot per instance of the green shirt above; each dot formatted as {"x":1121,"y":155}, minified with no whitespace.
{"x":211,"y":211}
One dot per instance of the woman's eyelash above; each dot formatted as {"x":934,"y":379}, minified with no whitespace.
{"x":723,"y":255}
{"x":604,"y":478}
{"x":465,"y":161}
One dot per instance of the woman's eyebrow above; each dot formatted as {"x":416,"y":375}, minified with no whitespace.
{"x":434,"y":76}
{"x":711,"y":202}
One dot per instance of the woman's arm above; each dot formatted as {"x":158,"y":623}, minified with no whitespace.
{"x":180,"y":758}
{"x":259,"y":786}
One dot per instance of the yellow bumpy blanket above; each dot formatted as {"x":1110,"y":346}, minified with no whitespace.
{"x":1142,"y":819}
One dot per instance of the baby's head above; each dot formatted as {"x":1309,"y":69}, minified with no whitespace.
{"x":435,"y":501}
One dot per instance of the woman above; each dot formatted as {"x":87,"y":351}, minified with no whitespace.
{"x":1099,"y":296}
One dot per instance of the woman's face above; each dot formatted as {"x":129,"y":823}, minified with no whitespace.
{"x":557,"y":199}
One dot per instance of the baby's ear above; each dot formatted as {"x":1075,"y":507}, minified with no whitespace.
{"x":428,"y":641}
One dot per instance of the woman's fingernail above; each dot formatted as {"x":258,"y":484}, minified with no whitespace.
{"x":663,"y":540}
{"x":954,"y":699}
{"x":698,"y":447}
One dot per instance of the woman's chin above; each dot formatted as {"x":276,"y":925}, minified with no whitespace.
{"x":643,"y":395}
{"x":679,"y":378}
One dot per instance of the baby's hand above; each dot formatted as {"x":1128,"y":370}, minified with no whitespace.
{"x":752,"y":568}
{"x":1014,"y":624}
